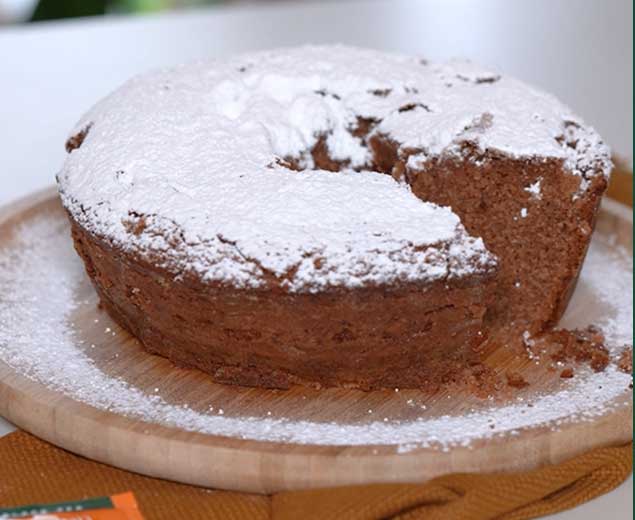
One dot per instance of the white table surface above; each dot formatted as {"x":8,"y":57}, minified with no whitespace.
{"x":579,"y":49}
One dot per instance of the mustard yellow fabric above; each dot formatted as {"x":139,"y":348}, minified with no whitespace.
{"x":33,"y":471}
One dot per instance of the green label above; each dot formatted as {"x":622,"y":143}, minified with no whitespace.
{"x":61,"y":507}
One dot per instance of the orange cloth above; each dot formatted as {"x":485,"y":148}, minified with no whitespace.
{"x":33,"y":471}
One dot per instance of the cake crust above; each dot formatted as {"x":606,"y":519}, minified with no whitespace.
{"x":407,"y":335}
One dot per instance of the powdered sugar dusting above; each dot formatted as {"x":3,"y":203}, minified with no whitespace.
{"x":40,"y":276}
{"x":196,"y":154}
{"x":534,"y":189}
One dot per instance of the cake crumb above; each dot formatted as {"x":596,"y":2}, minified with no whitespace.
{"x":586,"y":345}
{"x":625,"y":363}
{"x":567,"y":373}
{"x":516,"y":380}
{"x":481,"y":381}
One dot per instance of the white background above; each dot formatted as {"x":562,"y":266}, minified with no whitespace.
{"x":581,"y":50}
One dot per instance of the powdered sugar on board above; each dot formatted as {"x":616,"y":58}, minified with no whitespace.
{"x":40,"y":277}
{"x":196,"y":150}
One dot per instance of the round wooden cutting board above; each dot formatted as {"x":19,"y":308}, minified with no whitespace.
{"x":246,"y":454}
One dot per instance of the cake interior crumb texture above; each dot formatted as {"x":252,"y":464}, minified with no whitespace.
{"x":331,"y":215}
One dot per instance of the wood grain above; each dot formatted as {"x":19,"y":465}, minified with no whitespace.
{"x":247,"y":465}
{"x":621,"y":183}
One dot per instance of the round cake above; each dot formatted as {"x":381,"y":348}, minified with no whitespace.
{"x":330,"y":215}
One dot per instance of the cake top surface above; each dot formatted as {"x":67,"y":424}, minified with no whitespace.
{"x":191,"y":162}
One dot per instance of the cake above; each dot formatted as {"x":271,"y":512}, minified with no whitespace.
{"x":331,"y":216}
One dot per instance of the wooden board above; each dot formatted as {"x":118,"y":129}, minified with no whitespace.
{"x":264,"y":466}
